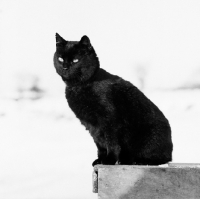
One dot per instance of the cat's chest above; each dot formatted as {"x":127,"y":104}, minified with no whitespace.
{"x":83,"y":102}
{"x":79,"y":95}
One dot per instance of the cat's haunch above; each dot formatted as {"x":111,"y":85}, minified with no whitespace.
{"x":126,"y":126}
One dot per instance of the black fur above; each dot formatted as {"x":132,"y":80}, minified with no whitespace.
{"x":125,"y":125}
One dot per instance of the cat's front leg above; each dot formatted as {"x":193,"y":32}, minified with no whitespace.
{"x":109,"y":159}
{"x":108,"y":155}
{"x":113,"y":152}
{"x":108,"y":147}
{"x":102,"y":152}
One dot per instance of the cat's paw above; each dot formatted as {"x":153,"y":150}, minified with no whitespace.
{"x":97,"y":161}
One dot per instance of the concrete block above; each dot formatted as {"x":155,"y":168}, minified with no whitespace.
{"x":173,"y":181}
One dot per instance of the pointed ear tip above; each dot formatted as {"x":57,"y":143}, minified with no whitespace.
{"x":85,"y":39}
{"x":85,"y":36}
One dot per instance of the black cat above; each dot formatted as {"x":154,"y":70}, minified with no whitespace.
{"x":125,"y":125}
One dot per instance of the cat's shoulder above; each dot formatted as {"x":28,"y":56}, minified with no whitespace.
{"x":104,"y":80}
{"x":109,"y":83}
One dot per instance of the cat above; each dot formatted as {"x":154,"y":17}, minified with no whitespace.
{"x":127,"y":128}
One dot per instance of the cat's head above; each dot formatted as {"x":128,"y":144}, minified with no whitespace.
{"x":75,"y":61}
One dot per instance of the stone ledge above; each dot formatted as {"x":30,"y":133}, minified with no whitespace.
{"x":173,"y":181}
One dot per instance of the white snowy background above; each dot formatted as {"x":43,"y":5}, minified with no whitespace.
{"x":45,"y":153}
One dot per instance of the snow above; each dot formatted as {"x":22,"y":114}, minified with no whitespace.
{"x":45,"y":152}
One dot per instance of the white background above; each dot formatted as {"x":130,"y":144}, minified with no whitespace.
{"x":44,"y":151}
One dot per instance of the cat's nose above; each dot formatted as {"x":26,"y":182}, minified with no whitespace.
{"x":65,"y":67}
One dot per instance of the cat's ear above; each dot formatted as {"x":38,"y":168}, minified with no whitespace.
{"x":60,"y":41}
{"x":86,"y":41}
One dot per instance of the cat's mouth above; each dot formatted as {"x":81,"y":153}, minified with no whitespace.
{"x":62,"y":71}
{"x":65,"y":68}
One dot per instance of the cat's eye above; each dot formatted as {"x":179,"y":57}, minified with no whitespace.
{"x":60,"y":59}
{"x":75,"y":60}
